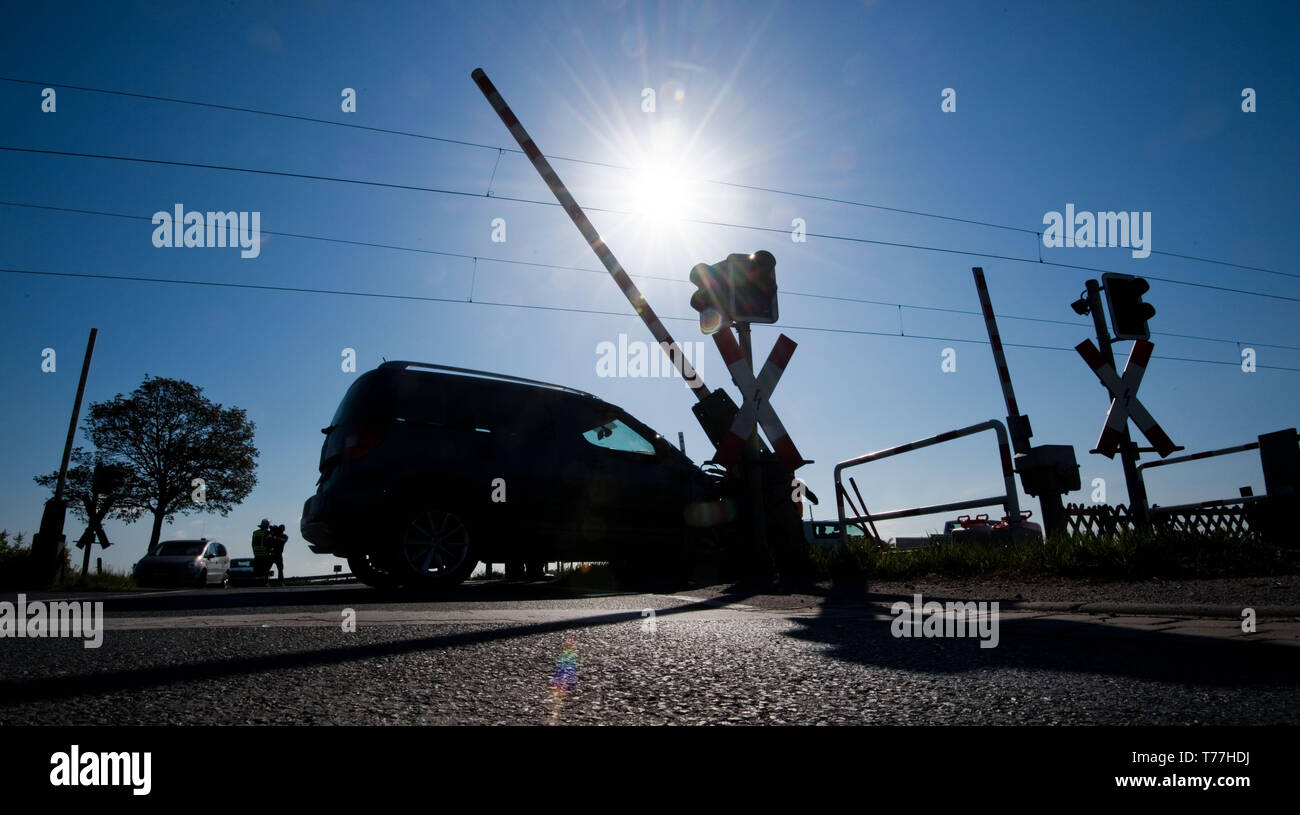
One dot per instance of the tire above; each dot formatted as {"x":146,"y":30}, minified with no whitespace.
{"x":203,"y":579}
{"x":368,"y":571}
{"x":431,"y":550}
{"x":225,"y":580}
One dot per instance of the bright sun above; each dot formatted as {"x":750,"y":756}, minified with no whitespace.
{"x":659,"y":190}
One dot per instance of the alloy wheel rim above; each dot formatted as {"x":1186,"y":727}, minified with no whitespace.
{"x":436,"y":543}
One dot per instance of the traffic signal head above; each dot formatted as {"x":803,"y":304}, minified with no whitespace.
{"x":753,"y":287}
{"x":713,"y":291}
{"x":1128,"y":314}
{"x":740,"y":289}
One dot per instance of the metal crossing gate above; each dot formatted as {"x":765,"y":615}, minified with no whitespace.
{"x":1009,"y":500}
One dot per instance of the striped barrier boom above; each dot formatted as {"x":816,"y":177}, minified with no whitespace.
{"x":1241,"y":448}
{"x":597,"y":244}
{"x":1124,"y":402}
{"x":756,"y":407}
{"x":995,"y":339}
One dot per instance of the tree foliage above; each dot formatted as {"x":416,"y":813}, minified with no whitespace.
{"x":167,"y":434}
{"x":78,"y":492}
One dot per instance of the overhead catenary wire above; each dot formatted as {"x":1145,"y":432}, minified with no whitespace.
{"x":564,"y":309}
{"x":661,"y":278}
{"x":606,"y":210}
{"x":607,"y":165}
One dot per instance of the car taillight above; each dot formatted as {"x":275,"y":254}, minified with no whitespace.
{"x":359,"y":441}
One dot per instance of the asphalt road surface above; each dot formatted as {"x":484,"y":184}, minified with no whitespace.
{"x":541,"y":654}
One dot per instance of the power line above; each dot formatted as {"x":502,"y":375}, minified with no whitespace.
{"x":782,"y":231}
{"x":607,"y":165}
{"x":535,"y":264}
{"x":565,"y":309}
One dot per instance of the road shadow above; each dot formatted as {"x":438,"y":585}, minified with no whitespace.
{"x":65,"y":686}
{"x":332,"y":596}
{"x":849,"y":622}
{"x":855,"y":632}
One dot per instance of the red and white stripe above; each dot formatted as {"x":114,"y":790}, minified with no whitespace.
{"x":995,"y":339}
{"x":1124,"y":402}
{"x":756,"y":405}
{"x":589,"y":232}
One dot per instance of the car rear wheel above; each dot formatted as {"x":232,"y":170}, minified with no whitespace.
{"x":434,"y":550}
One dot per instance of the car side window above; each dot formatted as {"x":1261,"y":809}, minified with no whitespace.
{"x":221,"y":550}
{"x":613,"y":434}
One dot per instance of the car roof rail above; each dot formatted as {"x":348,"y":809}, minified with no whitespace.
{"x":404,"y":364}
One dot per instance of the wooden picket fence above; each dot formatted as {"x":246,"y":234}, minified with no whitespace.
{"x":1096,"y":519}
{"x":1102,"y":519}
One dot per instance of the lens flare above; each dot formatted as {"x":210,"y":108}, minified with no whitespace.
{"x":565,"y":677}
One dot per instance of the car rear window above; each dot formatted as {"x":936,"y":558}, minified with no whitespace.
{"x":177,"y":548}
{"x":369,"y":401}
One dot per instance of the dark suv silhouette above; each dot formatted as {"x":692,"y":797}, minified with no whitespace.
{"x":427,"y":470}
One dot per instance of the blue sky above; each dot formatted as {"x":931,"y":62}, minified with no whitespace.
{"x":1109,"y":106}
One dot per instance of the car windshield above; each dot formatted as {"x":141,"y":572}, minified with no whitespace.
{"x":179,"y":548}
{"x":615,"y":435}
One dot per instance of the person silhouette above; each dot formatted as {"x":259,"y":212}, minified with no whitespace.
{"x":262,"y":550}
{"x":277,"y":540}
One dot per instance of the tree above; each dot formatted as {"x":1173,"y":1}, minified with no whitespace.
{"x":167,"y":434}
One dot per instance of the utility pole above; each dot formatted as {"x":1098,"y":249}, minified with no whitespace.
{"x":1128,"y":450}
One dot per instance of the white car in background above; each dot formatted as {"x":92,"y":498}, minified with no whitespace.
{"x":826,"y":534}
{"x":197,"y":563}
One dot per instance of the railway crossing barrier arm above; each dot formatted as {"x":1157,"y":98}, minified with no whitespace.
{"x":1241,"y":448}
{"x":1009,"y":500}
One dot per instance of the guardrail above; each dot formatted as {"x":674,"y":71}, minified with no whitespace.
{"x":1009,"y":500}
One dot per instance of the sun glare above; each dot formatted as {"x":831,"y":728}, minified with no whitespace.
{"x":659,"y":190}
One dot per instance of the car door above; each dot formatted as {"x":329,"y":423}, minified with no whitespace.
{"x":209,"y":564}
{"x":223,"y":559}
{"x":629,"y":490}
